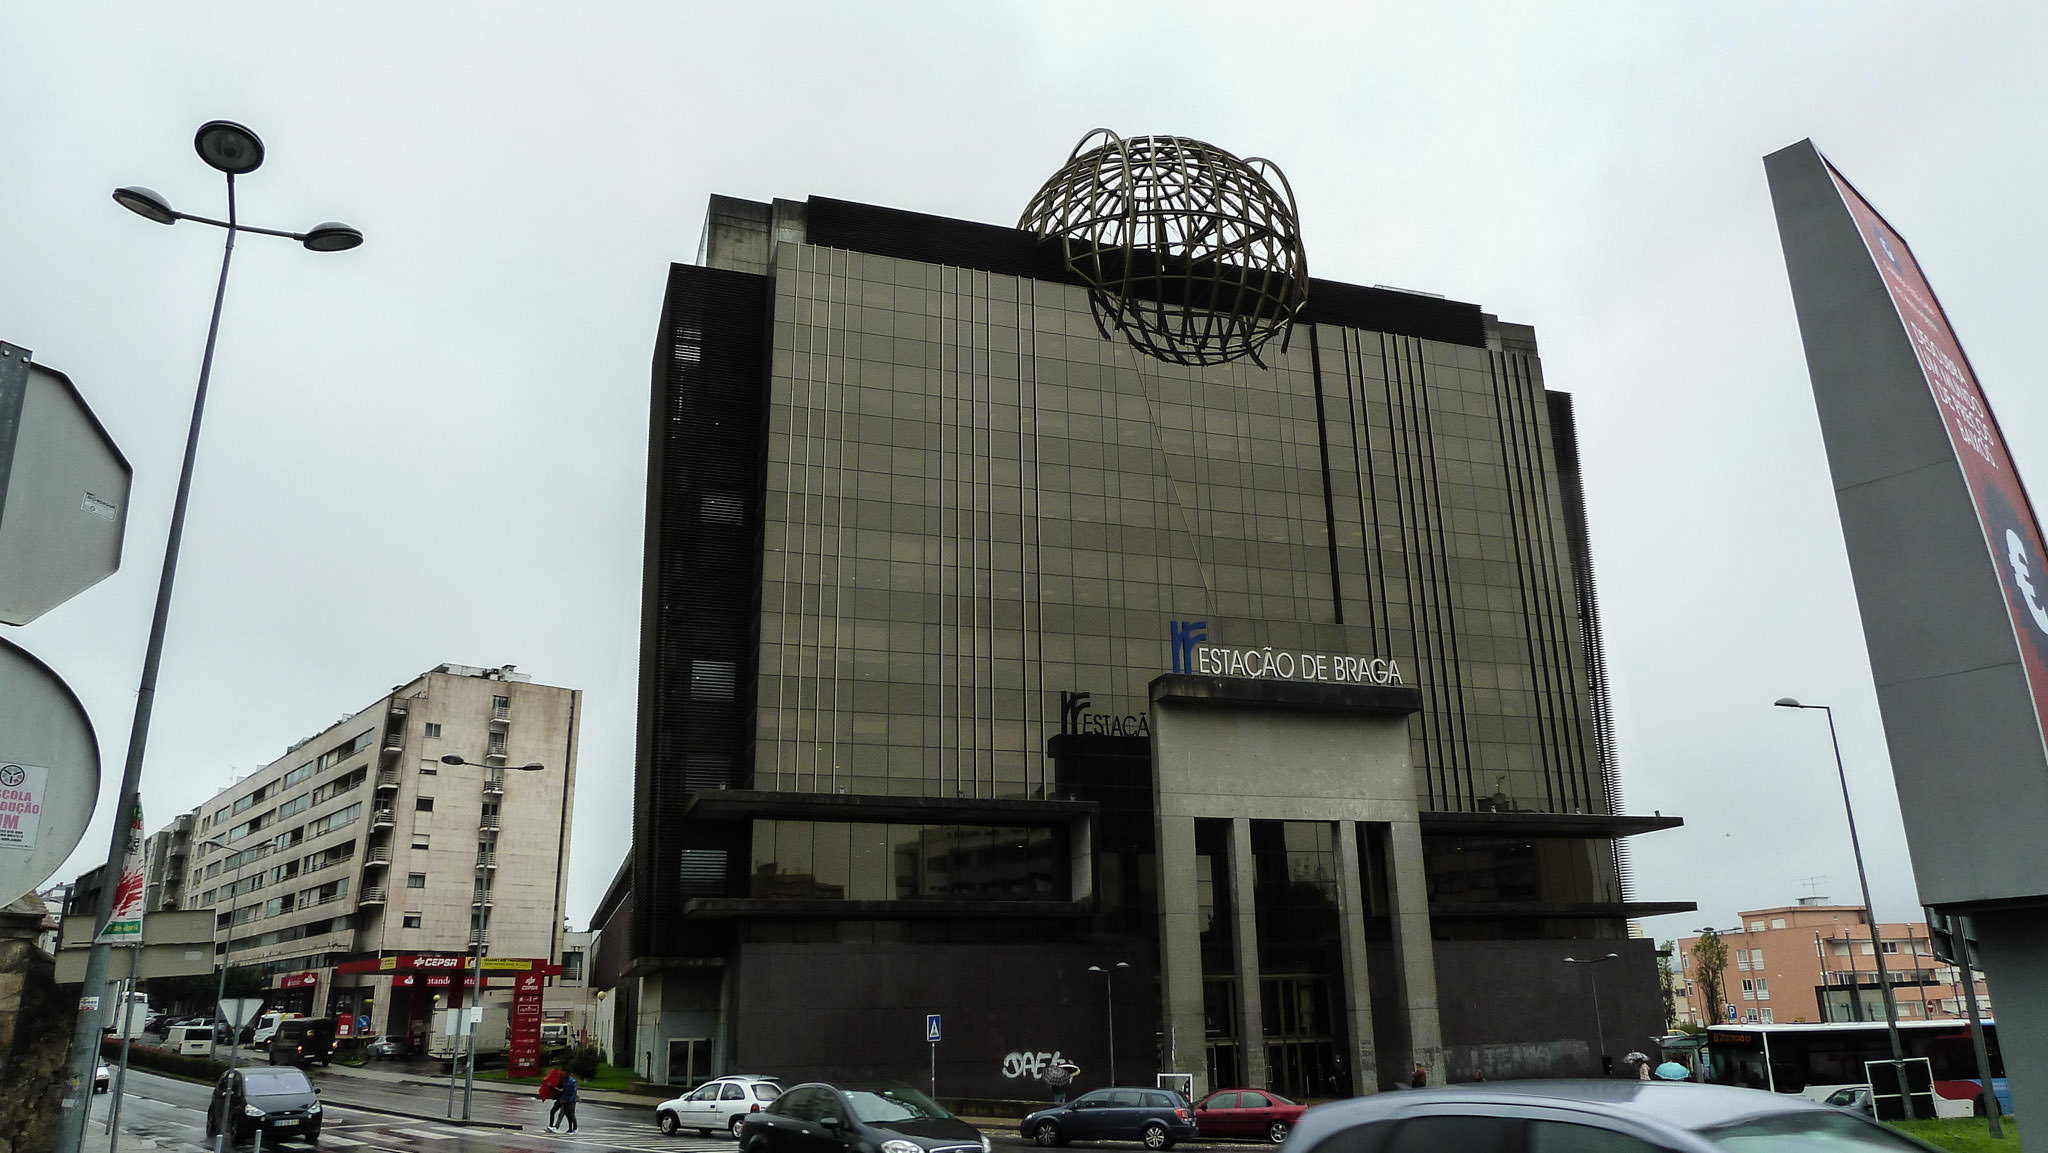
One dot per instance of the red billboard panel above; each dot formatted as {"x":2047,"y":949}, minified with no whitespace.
{"x":524,"y":1058}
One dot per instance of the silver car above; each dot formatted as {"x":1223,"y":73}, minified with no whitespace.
{"x":1581,"y":1116}
{"x":719,"y":1105}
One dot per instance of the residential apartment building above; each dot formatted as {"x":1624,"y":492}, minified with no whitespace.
{"x":167,"y":854}
{"x":363,"y":842}
{"x":1815,"y":962}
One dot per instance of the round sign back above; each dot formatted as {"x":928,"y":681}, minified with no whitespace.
{"x":49,"y":772}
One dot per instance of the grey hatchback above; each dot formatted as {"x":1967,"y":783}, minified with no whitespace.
{"x":1589,"y":1117}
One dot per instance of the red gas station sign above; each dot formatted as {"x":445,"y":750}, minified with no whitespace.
{"x":524,"y":1059}
{"x":298,"y":980}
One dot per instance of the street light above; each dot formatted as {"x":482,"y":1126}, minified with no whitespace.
{"x":1599,"y":1026}
{"x":227,"y":950}
{"x":484,"y":865}
{"x":1109,"y":1007}
{"x":234,"y":151}
{"x":1884,"y":981}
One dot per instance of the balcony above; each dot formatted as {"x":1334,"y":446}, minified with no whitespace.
{"x":394,"y":740}
{"x":494,"y":784}
{"x":495,"y":753}
{"x":378,"y":858}
{"x":501,"y":714}
{"x":383,"y":819}
{"x":480,"y":901}
{"x":487,"y":860}
{"x":369,"y":897}
{"x":479,"y":937}
{"x":488,"y":823}
{"x":399,"y":705}
{"x":387,"y":779}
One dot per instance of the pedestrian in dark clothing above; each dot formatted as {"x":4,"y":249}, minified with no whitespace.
{"x":1059,"y":1077}
{"x":568,"y":1101}
{"x":1420,"y":1077}
{"x":551,"y":1092}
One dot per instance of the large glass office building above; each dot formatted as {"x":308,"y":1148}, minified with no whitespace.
{"x":1244,"y":720}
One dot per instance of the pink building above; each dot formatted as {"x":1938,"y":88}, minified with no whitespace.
{"x":1814,"y":962}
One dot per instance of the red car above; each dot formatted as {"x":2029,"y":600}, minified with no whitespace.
{"x":1256,"y":1113}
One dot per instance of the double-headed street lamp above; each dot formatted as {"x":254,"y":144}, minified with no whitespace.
{"x":232,"y":150}
{"x":1884,"y":981}
{"x":1599,"y":1026}
{"x":1109,"y":1007}
{"x":486,"y":861}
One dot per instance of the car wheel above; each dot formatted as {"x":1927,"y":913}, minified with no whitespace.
{"x":1156,"y":1137}
{"x":669,"y":1124}
{"x":1046,"y":1134}
{"x":733,"y":1126}
{"x":1276,"y":1132}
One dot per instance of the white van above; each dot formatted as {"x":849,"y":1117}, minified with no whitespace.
{"x":266,"y":1027}
{"x":190,"y":1040}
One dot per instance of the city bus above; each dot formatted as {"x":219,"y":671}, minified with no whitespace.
{"x":1814,"y":1061}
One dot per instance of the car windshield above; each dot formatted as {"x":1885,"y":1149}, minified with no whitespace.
{"x":899,"y":1103}
{"x":1803,"y":1132}
{"x":276,"y":1082}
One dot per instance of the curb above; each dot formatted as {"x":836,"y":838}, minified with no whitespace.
{"x":473,"y":1124}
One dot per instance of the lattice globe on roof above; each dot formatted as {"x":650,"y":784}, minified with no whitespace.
{"x":1192,"y":253}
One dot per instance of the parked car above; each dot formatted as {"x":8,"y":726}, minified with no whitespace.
{"x":102,"y":1078}
{"x":1613,"y":1116}
{"x":280,"y":1101}
{"x":718,"y":1105}
{"x":1259,"y":1114}
{"x":383,"y":1046}
{"x":1856,"y":1099}
{"x":857,"y":1115}
{"x":1157,"y":1117}
{"x":302,"y":1041}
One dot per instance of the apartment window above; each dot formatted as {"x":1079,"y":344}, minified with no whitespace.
{"x":1756,"y":958}
{"x":1742,"y":959}
{"x":1763,"y":989}
{"x":434,"y":729}
{"x":1777,"y":922}
{"x":1763,"y":1016}
{"x":495,"y":744}
{"x":1748,"y":989}
{"x":299,"y":774}
{"x":500,"y":703}
{"x":419,"y":843}
{"x":572,"y":966}
{"x":429,"y":769}
{"x":415,"y":880}
{"x":1891,"y":946}
{"x":412,"y":920}
{"x":1756,"y":926}
{"x":423,"y":805}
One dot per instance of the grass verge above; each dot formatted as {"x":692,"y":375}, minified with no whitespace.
{"x":1963,"y":1134}
{"x":609,"y":1077}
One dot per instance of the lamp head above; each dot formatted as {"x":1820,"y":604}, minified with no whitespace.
{"x":332,"y":236}
{"x":1788,"y":703}
{"x":452,"y":759}
{"x":229,"y":147}
{"x":146,"y":203}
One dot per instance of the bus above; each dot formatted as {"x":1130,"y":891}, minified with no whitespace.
{"x":1814,"y":1061}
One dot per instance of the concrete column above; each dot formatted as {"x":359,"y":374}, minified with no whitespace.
{"x":1357,"y":1008}
{"x":2013,"y":947}
{"x":1251,"y":1016}
{"x":1414,"y":955}
{"x":1180,"y":954}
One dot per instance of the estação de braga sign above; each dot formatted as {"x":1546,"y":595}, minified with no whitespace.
{"x":1192,"y":655}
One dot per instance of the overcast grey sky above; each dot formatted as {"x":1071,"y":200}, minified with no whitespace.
{"x":432,"y":448}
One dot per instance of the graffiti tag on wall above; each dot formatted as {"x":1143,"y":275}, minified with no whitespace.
{"x":1029,"y":1064}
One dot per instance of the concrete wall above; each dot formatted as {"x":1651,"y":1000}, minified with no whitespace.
{"x":1522,"y":1011}
{"x":1005,"y":1010}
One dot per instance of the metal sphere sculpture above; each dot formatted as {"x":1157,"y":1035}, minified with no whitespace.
{"x":1192,"y":253}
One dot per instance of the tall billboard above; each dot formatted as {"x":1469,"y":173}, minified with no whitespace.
{"x":1947,"y":556}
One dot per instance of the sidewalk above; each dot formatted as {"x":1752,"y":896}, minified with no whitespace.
{"x":424,"y":1079}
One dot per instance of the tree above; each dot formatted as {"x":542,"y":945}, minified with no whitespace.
{"x":1667,"y":982}
{"x":1709,"y":962}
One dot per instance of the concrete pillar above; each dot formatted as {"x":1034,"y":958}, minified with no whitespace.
{"x":1362,"y":1057}
{"x":1244,"y":931}
{"x":2013,"y":947}
{"x":1414,"y":954}
{"x":1180,"y":954}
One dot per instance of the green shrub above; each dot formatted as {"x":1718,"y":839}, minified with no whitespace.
{"x":584,"y":1060}
{"x":159,"y":1061}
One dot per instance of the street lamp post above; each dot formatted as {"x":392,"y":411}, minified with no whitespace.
{"x":483,"y":916}
{"x":1599,"y":1026}
{"x":1884,"y":981}
{"x":234,"y":151}
{"x":1109,"y":1008}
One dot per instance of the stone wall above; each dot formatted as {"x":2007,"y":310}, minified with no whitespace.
{"x":36,"y":1019}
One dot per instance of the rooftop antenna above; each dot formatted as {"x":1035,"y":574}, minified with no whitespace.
{"x":1813,"y":885}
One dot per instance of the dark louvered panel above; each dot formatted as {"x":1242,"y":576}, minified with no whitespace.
{"x":698,"y":648}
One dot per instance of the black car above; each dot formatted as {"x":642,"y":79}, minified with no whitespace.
{"x":862,"y":1117}
{"x":302,"y":1041}
{"x":1157,"y":1117}
{"x":1568,"y":1116}
{"x":280,"y":1101}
